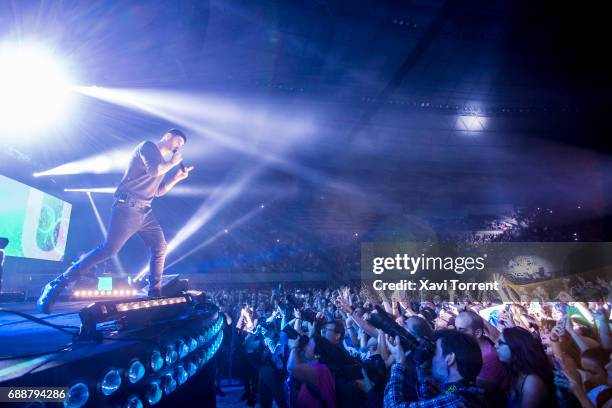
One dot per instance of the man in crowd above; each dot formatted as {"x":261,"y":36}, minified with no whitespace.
{"x":493,"y":377}
{"x":334,"y":331}
{"x":454,"y":367}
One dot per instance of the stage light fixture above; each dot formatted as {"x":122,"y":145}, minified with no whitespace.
{"x":117,"y":293}
{"x":136,"y":371}
{"x":110,"y":382}
{"x":192,"y":368}
{"x":36,"y":92}
{"x":133,"y":402}
{"x":181,"y":375}
{"x":154,"y":393}
{"x":124,"y":307}
{"x":471,"y":123}
{"x":156,"y":361}
{"x":200,"y":360}
{"x":183,"y":349}
{"x":77,"y":396}
{"x":168,"y":384}
{"x":171,"y":355}
{"x":193,"y":344}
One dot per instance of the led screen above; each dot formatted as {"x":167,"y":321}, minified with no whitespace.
{"x":35,"y":223}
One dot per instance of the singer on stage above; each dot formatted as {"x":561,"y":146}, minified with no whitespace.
{"x":131,"y":213}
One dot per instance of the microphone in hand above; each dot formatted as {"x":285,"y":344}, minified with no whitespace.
{"x":182,"y":166}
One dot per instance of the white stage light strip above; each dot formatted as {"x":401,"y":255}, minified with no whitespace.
{"x":104,"y":190}
{"x":124,"y":307}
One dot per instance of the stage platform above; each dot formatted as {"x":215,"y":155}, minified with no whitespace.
{"x":173,"y":355}
{"x":20,"y":336}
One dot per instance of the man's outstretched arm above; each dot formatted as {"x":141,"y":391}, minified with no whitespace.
{"x":167,"y":185}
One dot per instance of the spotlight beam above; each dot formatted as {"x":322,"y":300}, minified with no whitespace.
{"x":209,"y":209}
{"x":153,"y":103}
{"x":212,"y":239}
{"x":187,"y":110}
{"x":114,"y":161}
{"x":116,"y":260}
{"x":220,"y":111}
{"x":97,"y":214}
{"x":190,"y":190}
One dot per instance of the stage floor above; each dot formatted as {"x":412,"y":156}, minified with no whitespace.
{"x":19,"y":335}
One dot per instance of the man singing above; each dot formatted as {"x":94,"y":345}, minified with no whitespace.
{"x":131,"y":213}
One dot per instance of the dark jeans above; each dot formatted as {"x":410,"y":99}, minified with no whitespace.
{"x":127,"y":220}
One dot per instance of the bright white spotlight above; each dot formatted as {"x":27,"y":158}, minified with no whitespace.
{"x":471,"y":123}
{"x":108,"y":162}
{"x":183,"y":107}
{"x":35,"y":91}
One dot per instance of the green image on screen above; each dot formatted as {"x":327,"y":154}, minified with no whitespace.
{"x":35,"y":223}
{"x":49,"y":223}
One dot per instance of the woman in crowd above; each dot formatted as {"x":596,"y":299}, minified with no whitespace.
{"x":529,"y":368}
{"x":310,"y":363}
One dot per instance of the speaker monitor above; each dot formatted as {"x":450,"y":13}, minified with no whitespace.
{"x":172,"y":285}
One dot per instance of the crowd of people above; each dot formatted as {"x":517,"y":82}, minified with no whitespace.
{"x":535,"y":224}
{"x":354,"y":347}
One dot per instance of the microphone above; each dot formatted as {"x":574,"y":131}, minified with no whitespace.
{"x":181,"y":163}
